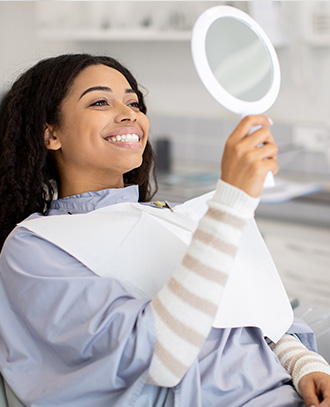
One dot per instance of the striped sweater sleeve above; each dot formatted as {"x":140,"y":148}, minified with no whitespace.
{"x":297,"y":359}
{"x":185,"y":307}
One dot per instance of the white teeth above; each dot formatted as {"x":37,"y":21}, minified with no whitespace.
{"x":133,"y":138}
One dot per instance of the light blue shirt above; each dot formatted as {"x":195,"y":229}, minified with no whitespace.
{"x":73,"y":339}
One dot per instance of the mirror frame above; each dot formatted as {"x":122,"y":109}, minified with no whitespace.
{"x":206,"y":75}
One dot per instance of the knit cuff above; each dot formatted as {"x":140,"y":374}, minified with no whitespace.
{"x":297,"y":359}
{"x":318,"y":365}
{"x":234,"y":199}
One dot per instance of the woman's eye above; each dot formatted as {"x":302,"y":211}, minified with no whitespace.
{"x":135,"y":105}
{"x":99,"y":103}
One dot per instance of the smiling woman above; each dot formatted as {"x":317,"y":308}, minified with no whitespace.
{"x":74,"y":141}
{"x":49,"y":105}
{"x":102,"y":133}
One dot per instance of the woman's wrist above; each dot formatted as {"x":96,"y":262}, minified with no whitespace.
{"x":234,"y":200}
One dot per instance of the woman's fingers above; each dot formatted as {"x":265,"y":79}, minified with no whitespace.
{"x":260,"y":136}
{"x":245,"y":126}
{"x":263,"y":152}
{"x":249,"y":157}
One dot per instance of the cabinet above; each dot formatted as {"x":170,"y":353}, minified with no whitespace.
{"x":118,"y":20}
{"x":302,"y":256}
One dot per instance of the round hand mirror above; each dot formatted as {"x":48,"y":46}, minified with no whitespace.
{"x":236,"y":62}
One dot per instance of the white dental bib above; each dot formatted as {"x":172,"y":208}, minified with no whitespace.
{"x":141,"y":246}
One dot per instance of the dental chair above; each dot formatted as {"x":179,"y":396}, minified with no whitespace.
{"x":7,"y":397}
{"x":3,"y":401}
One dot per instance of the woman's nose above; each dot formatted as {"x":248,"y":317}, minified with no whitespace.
{"x":125,"y":113}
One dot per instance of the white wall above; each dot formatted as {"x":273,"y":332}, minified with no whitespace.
{"x":165,"y":68}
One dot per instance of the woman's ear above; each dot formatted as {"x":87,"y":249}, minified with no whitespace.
{"x":51,"y":140}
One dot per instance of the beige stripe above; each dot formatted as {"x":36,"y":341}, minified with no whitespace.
{"x":284,"y":341}
{"x":188,"y":297}
{"x":312,"y":358}
{"x":204,"y":271}
{"x":172,"y":363}
{"x":294,"y":347}
{"x":211,"y":240}
{"x":179,"y":328}
{"x":231,"y":220}
{"x":290,"y":363}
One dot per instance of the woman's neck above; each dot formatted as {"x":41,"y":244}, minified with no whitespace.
{"x":79,"y":186}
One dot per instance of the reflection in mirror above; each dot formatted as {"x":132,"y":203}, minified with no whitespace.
{"x":241,"y":63}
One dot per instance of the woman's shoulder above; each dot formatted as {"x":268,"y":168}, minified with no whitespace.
{"x":21,"y":241}
{"x":25,"y":251}
{"x":20,"y":230}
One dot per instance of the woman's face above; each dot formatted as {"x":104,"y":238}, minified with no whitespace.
{"x":102,"y":133}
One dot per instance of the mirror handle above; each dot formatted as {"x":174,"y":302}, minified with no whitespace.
{"x":269,"y":180}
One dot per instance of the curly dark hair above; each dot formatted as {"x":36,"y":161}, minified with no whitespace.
{"x":28,"y":176}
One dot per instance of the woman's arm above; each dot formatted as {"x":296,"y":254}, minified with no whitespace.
{"x":185,"y":308}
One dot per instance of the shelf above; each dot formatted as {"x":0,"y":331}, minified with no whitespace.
{"x":114,"y":35}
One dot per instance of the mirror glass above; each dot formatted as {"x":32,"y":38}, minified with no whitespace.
{"x":238,"y":59}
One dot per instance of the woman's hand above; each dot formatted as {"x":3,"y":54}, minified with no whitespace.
{"x":315,"y":389}
{"x":247,"y":158}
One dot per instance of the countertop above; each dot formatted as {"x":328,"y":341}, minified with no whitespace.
{"x":312,"y":209}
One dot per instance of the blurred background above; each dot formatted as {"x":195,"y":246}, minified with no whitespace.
{"x":188,"y":127}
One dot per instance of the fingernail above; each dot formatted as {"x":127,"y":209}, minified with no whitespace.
{"x":271,"y":123}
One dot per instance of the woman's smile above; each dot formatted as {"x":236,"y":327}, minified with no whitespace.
{"x":126,"y":137}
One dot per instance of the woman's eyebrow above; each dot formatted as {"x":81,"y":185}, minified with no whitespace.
{"x":103,"y":88}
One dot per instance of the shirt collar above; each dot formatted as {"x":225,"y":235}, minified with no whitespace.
{"x":89,"y":201}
